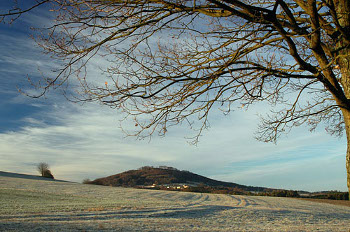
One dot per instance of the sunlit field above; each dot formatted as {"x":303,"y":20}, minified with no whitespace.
{"x":43,"y":205}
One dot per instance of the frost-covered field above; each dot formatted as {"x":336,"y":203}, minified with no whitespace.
{"x":38,"y":205}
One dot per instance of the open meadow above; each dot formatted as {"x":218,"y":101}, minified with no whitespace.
{"x":41,"y":205}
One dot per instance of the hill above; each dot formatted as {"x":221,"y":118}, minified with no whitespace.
{"x":27,"y":176}
{"x":160,"y":177}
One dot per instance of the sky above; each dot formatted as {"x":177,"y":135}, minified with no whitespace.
{"x":86,"y":141}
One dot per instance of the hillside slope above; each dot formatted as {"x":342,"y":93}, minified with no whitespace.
{"x":147,"y":176}
{"x":27,"y":176}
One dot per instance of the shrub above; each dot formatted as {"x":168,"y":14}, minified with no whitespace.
{"x":47,"y":174}
{"x":86,"y":181}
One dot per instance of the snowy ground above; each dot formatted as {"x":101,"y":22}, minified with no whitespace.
{"x":29,"y":204}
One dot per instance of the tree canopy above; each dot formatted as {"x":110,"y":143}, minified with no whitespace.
{"x":173,"y":61}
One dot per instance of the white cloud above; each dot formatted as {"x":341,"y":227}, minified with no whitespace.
{"x":85,"y":141}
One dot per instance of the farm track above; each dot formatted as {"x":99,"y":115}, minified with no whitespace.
{"x":37,"y":205}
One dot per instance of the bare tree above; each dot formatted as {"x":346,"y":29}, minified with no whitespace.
{"x":42,"y":168}
{"x":173,"y":61}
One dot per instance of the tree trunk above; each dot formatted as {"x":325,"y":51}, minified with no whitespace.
{"x":345,"y":81}
{"x":342,"y":8}
{"x":347,"y":128}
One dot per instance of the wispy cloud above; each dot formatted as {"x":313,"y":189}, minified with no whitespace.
{"x":86,"y":141}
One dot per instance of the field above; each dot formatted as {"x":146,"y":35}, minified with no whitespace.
{"x":40,"y":205}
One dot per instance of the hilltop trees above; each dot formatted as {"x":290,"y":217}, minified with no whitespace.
{"x":172,"y":62}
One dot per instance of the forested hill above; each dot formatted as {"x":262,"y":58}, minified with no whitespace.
{"x":148,"y":176}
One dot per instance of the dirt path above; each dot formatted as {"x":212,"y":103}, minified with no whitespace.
{"x":35,"y":205}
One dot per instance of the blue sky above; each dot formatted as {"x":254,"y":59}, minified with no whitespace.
{"x":85,"y":141}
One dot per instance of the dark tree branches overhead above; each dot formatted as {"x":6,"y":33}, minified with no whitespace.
{"x":173,"y":61}
{"x":182,"y":50}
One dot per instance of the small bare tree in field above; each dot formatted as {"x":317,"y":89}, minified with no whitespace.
{"x":173,"y":61}
{"x":43,"y":169}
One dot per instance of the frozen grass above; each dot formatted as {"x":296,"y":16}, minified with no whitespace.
{"x":38,"y":205}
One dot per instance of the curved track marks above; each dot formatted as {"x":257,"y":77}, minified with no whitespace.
{"x":35,"y":205}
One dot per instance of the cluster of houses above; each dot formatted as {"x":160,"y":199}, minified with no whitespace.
{"x":172,"y":186}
